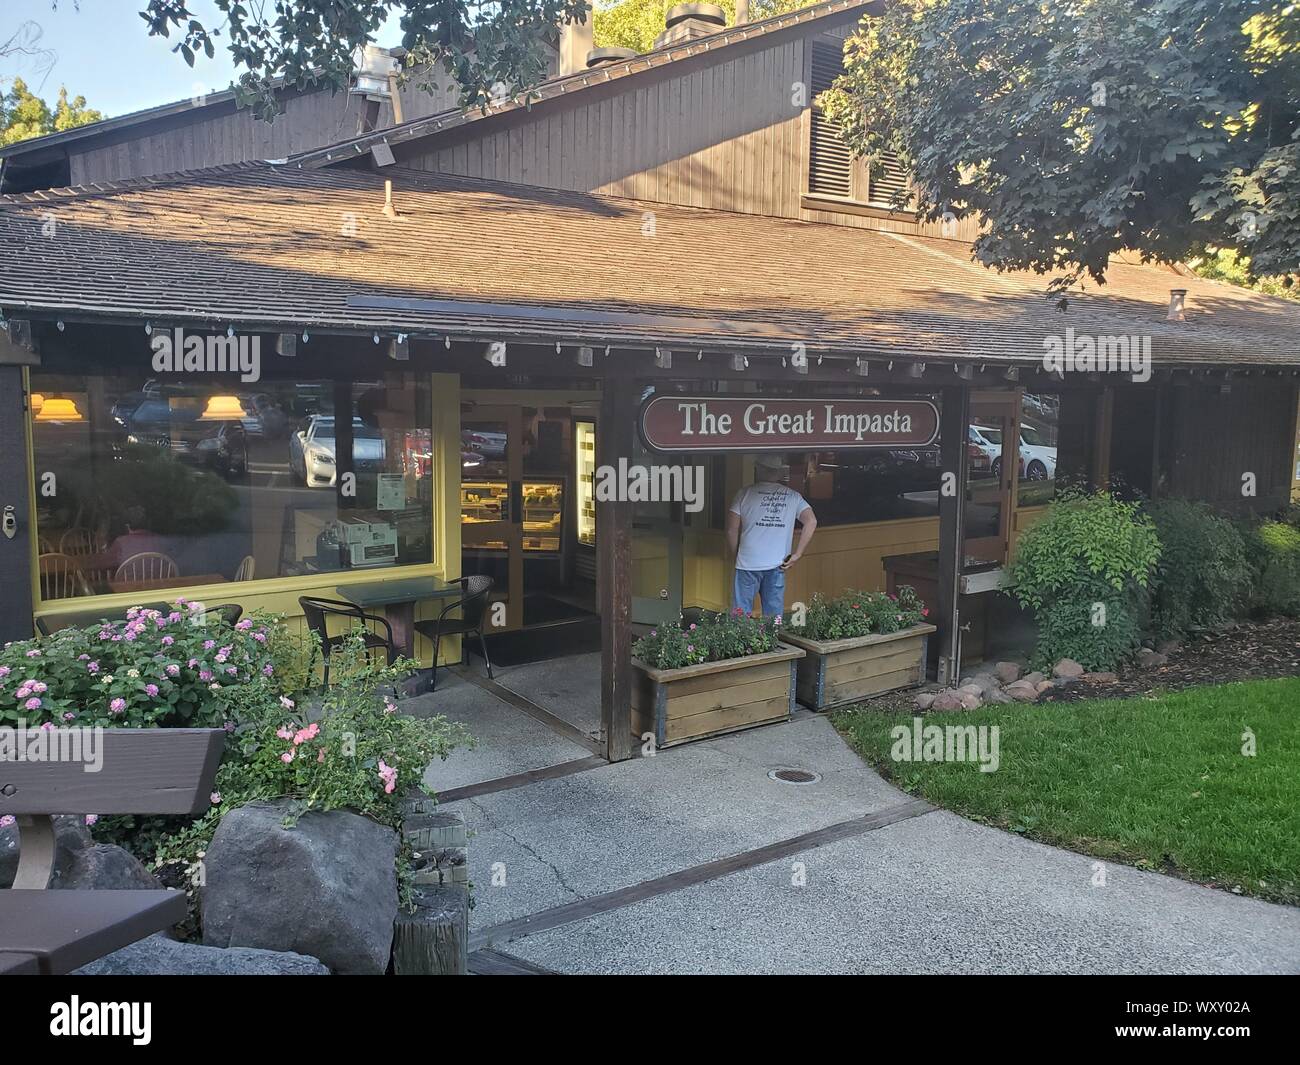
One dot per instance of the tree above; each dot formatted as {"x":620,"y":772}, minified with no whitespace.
{"x":305,"y":43}
{"x":636,"y":23}
{"x":24,"y":114}
{"x":1077,"y":128}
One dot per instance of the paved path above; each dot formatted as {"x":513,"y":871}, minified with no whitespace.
{"x":694,"y":861}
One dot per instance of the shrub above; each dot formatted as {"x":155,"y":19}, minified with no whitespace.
{"x":151,"y":669}
{"x":714,"y":638}
{"x":1086,"y":565}
{"x":1273,"y":549}
{"x":860,"y":614}
{"x":1204,"y":576}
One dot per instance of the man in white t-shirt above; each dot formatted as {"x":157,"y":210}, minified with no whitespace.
{"x":760,"y":530}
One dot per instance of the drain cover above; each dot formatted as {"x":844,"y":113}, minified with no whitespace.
{"x":794,"y":776}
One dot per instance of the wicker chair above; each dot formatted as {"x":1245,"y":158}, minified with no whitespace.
{"x":471,"y":605}
{"x":317,"y":612}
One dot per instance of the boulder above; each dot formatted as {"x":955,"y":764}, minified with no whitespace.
{"x":922,"y":702}
{"x":997,"y":695}
{"x":1007,"y":672}
{"x":1067,"y":668}
{"x":105,"y":867}
{"x":1151,"y":659}
{"x":986,"y":682}
{"x":971,"y":689}
{"x":159,"y":956}
{"x":326,"y":887}
{"x":1100,"y":678}
{"x":1021,"y":691}
{"x":1033,"y":678}
{"x":1047,"y":685}
{"x":969,"y":700}
{"x":948,"y":699}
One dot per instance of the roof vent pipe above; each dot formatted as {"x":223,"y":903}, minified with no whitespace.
{"x":1176,"y":300}
{"x":742,"y":12}
{"x":600,"y":57}
{"x":686,"y":22}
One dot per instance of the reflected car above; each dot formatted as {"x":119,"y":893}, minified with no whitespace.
{"x":1038,"y":459}
{"x":311,"y":451}
{"x":217,"y":445}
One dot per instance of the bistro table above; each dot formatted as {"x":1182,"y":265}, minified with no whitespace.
{"x":398,"y":599}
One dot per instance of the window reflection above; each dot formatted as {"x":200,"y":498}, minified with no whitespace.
{"x":145,"y":486}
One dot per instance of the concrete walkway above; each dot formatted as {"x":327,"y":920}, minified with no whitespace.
{"x":695,"y":861}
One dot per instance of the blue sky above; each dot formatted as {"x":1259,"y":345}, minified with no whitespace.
{"x":104,"y":52}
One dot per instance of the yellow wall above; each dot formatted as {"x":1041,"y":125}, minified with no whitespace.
{"x":280,"y":595}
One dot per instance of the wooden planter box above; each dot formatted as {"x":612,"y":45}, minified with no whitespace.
{"x":692,"y":702}
{"x":837,"y":672}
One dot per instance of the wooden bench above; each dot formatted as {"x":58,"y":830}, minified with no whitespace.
{"x":141,"y":771}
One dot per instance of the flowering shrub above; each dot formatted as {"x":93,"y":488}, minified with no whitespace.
{"x":154,"y":668}
{"x":714,"y":638}
{"x":861,"y":614}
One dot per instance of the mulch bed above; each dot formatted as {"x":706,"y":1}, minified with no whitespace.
{"x":1251,"y":651}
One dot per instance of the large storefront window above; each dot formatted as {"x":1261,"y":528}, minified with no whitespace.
{"x":848,"y":487}
{"x":143,"y":485}
{"x":1040,"y":414}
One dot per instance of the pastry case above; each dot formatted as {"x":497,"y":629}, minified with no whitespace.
{"x":543,"y":503}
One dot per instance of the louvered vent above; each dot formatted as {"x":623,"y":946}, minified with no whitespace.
{"x":830,"y":166}
{"x":888,"y":182}
{"x":830,"y":163}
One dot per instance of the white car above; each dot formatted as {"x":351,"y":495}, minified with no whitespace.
{"x":311,"y":451}
{"x":1038,"y":457}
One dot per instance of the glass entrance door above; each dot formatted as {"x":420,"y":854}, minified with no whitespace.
{"x":492,"y":507}
{"x":993,"y":469}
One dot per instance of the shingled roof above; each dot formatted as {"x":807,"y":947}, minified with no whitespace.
{"x":266,"y":247}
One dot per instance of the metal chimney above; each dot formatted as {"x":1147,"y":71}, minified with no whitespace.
{"x":685,"y":22}
{"x":576,"y":41}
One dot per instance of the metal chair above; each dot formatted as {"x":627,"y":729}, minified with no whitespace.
{"x":316,"y":613}
{"x":228,"y":612}
{"x":471,"y":605}
{"x":61,"y":576}
{"x":147,"y":566}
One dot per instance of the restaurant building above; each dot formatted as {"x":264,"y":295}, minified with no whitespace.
{"x":663,"y":262}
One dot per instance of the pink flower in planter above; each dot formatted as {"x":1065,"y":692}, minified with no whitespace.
{"x":32,"y":704}
{"x":151,"y":690}
{"x":284,"y":732}
{"x":260,"y":637}
{"x":287,"y":757}
{"x":69,"y":716}
{"x":39,"y":687}
{"x":117,"y":706}
{"x":286,"y":702}
{"x":209,"y":644}
{"x":173,"y":670}
{"x":4,"y":671}
{"x":205,"y":674}
{"x":33,"y":654}
{"x":91,"y":818}
{"x":320,"y":755}
{"x":167,"y":641}
{"x":268,"y":669}
{"x":92,"y":667}
{"x":8,"y":819}
{"x":244,"y":625}
{"x":48,"y":726}
{"x":216,"y":798}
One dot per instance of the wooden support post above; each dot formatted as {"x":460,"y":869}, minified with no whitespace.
{"x":434,"y":939}
{"x":615,"y":435}
{"x":953,"y":422}
{"x":15,"y":552}
{"x":1101,"y":436}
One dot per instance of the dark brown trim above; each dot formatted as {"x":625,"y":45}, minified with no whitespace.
{"x":615,"y":437}
{"x":955,"y":417}
{"x":816,"y":201}
{"x":519,"y":780}
{"x":571,"y":912}
{"x":497,"y":963}
{"x":16,"y":555}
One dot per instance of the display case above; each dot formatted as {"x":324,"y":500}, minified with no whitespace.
{"x":542,"y":502}
{"x":585,"y":485}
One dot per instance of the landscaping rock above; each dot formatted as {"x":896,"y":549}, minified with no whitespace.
{"x":986,"y":682}
{"x":1151,"y":659}
{"x":1067,"y":667}
{"x":1047,"y":685}
{"x":1033,"y":678}
{"x":105,"y":867}
{"x":1021,"y":691}
{"x":326,"y":887}
{"x":1100,"y":678}
{"x":971,"y":689}
{"x":922,"y":702}
{"x":969,"y":700}
{"x":948,"y":699}
{"x":159,"y":956}
{"x":997,"y":695}
{"x":1007,"y":672}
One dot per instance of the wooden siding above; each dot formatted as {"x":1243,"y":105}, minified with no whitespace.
{"x":727,"y":131}
{"x":222,"y":133}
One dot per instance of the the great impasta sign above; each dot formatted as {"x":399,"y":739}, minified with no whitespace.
{"x":755,"y":423}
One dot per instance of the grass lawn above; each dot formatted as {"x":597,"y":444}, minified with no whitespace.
{"x":1159,"y":782}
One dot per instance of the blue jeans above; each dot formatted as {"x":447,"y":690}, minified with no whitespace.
{"x":769,"y":584}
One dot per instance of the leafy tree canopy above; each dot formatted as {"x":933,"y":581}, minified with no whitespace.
{"x":636,"y":23}
{"x":24,"y":114}
{"x":307,"y":43}
{"x":1077,"y":128}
